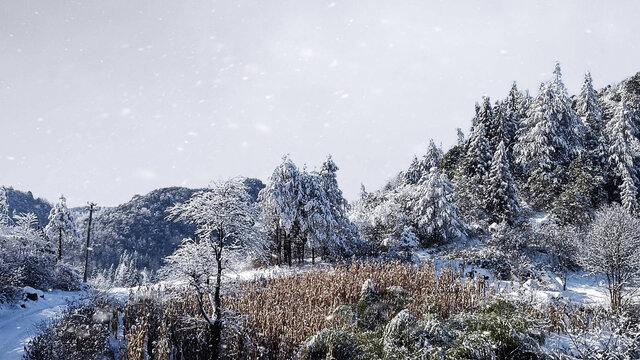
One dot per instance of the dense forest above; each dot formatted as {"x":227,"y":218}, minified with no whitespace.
{"x":469,"y":253}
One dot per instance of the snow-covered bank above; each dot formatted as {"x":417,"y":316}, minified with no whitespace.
{"x":18,"y":325}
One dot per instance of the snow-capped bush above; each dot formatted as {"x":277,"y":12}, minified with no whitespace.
{"x":77,"y":334}
{"x":330,"y":344}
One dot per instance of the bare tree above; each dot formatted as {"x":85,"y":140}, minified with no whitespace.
{"x":611,"y":247}
{"x":561,"y":241}
{"x":226,"y":220}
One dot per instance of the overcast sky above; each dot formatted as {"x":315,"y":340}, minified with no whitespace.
{"x":101,"y":100}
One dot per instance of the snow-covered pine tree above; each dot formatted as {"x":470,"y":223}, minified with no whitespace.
{"x":345,"y":233}
{"x":473,"y":171}
{"x":501,"y":200}
{"x":582,"y":194}
{"x":514,"y":109}
{"x":434,"y":209}
{"x":550,"y":135}
{"x":126,"y":273}
{"x":61,"y":224}
{"x":547,"y":141}
{"x":459,"y":136}
{"x":279,"y":203}
{"x":623,"y":149}
{"x":316,"y":221}
{"x":589,"y":111}
{"x":4,"y":207}
{"x":419,"y":168}
{"x":413,"y":174}
{"x":492,"y":128}
{"x":432,"y":158}
{"x":404,"y":244}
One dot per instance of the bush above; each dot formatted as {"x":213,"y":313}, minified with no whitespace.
{"x":81,"y":332}
{"x":67,"y":277}
{"x":330,"y":344}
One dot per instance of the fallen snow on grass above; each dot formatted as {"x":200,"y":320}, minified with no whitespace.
{"x":18,"y":325}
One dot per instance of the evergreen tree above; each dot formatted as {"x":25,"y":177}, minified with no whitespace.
{"x":502,"y":202}
{"x":473,"y":172}
{"x":433,"y":158}
{"x":486,"y":117}
{"x":459,"y":136}
{"x":582,"y":194}
{"x":514,"y":109}
{"x":279,"y":203}
{"x":413,"y":174}
{"x":550,"y":135}
{"x":345,"y":233}
{"x":434,"y":209}
{"x":589,"y":111}
{"x":623,"y":147}
{"x":61,"y":224}
{"x":317,"y":223}
{"x":4,"y":207}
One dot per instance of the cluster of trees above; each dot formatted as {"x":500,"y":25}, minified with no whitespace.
{"x":552,"y":152}
{"x":417,"y":208}
{"x":305,"y":212}
{"x":29,"y":256}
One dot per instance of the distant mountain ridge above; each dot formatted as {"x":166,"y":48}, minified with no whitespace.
{"x":24,"y":202}
{"x":138,"y":225}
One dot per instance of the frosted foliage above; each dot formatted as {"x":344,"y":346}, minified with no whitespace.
{"x":435,"y":210}
{"x":611,"y":248}
{"x":623,"y":151}
{"x":501,"y":201}
{"x":4,"y":207}
{"x":224,"y":211}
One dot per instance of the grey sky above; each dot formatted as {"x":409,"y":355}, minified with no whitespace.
{"x":101,"y":100}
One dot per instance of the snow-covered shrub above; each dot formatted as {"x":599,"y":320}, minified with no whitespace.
{"x":330,"y":344}
{"x":499,"y":330}
{"x":81,"y":332}
{"x":611,"y":247}
{"x":398,"y":332}
{"x":67,"y":277}
{"x":370,"y":310}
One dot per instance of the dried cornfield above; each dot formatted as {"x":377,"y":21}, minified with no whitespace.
{"x":284,"y":311}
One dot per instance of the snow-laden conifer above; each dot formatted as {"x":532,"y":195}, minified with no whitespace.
{"x":61,"y":225}
{"x":501,"y":197}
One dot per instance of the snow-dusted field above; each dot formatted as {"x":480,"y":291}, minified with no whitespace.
{"x":18,"y":325}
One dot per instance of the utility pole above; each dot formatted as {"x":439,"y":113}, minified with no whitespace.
{"x":86,"y":254}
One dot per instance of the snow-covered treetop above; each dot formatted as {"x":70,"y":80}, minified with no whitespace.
{"x":225,"y":210}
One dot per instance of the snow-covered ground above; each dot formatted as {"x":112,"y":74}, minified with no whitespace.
{"x":18,"y":325}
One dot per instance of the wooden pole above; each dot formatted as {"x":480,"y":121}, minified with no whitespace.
{"x":86,"y":254}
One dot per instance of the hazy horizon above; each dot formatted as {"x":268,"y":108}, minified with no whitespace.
{"x":100,"y":101}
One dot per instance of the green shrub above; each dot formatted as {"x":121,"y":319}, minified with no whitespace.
{"x":330,"y":344}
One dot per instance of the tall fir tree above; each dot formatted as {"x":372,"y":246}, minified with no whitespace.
{"x":623,"y":148}
{"x":279,"y":204}
{"x":61,"y":225}
{"x":589,"y":111}
{"x":582,"y":194}
{"x":501,"y":197}
{"x":4,"y":207}
{"x":434,"y":210}
{"x":547,"y":141}
{"x":345,"y":234}
{"x":472,"y":173}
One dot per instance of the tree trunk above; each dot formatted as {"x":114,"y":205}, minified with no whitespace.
{"x":288,"y":249}
{"x":59,"y":244}
{"x":279,"y":245}
{"x":216,"y":335}
{"x":313,"y":255}
{"x":564,"y":279}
